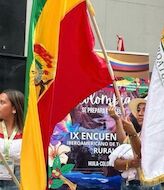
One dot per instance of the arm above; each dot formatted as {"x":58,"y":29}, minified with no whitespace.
{"x":119,"y":127}
{"x":125,"y":164}
{"x":133,"y":136}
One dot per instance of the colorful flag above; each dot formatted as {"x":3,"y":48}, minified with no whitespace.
{"x":153,"y":128}
{"x":62,"y":70}
{"x":120,"y":43}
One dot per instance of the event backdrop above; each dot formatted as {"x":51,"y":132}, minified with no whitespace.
{"x":81,"y":143}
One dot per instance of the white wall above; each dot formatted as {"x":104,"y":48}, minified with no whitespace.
{"x":140,"y":22}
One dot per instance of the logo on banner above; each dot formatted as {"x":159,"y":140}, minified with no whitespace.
{"x":160,"y":62}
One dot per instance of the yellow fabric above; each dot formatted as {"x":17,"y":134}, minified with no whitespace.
{"x":33,"y":169}
{"x":47,"y":31}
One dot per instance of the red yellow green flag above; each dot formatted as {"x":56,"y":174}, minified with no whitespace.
{"x":62,"y":70}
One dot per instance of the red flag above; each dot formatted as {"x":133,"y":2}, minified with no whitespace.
{"x":62,"y":70}
{"x":80,"y":72}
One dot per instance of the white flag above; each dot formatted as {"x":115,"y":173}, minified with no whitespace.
{"x":152,"y":161}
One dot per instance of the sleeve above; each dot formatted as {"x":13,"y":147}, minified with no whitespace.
{"x":119,"y":152}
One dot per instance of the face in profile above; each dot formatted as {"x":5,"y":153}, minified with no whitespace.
{"x":6,"y":107}
{"x":140,"y":113}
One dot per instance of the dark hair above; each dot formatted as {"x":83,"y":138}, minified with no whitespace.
{"x":137,"y":126}
{"x":17,"y":100}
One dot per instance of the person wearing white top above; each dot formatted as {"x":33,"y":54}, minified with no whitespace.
{"x":11,"y":128}
{"x":126,"y":157}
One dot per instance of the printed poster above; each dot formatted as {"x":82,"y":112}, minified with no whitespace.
{"x":81,"y":144}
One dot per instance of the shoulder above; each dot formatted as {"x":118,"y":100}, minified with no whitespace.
{"x":17,"y":136}
{"x":121,"y":150}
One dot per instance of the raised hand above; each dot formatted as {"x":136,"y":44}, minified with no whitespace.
{"x":112,"y":112}
{"x":128,"y":126}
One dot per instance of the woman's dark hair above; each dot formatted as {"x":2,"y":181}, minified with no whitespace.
{"x":17,"y":100}
{"x":135,"y":123}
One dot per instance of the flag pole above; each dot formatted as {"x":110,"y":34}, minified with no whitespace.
{"x":9,"y":170}
{"x":110,"y":69}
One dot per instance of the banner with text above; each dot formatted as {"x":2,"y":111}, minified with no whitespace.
{"x":81,"y":144}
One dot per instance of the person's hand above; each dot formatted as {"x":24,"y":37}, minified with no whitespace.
{"x":112,"y":113}
{"x":128,"y":126}
{"x":134,"y":163}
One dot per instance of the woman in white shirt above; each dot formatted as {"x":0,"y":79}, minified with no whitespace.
{"x":124,"y":158}
{"x":11,"y":128}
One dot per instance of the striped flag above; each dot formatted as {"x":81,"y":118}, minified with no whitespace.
{"x":153,"y":127}
{"x":62,"y":70}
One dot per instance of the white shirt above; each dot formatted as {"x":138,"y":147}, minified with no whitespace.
{"x":124,"y":151}
{"x":15,"y":147}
